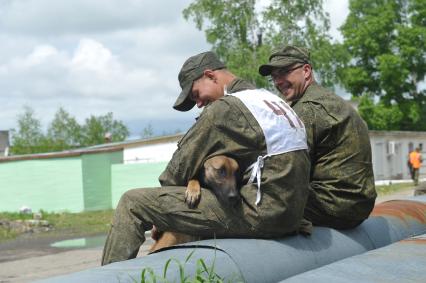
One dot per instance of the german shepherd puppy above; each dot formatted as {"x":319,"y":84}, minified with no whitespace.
{"x":219,"y":174}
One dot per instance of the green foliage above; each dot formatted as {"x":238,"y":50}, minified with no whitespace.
{"x":390,"y":189}
{"x":379,"y":116}
{"x":243,"y":34}
{"x":94,"y":130}
{"x":7,"y":234}
{"x":29,"y":137}
{"x":383,"y":53}
{"x":89,"y":222}
{"x":84,"y":223}
{"x":385,"y":41}
{"x":63,"y":132}
{"x":203,"y":273}
{"x":15,"y":216}
{"x":147,"y":132}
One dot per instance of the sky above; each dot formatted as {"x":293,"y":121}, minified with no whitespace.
{"x":92,"y":57}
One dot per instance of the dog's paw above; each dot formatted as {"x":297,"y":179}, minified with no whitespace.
{"x":192,"y":199}
{"x":193,"y":193}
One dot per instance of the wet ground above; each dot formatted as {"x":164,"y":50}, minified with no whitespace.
{"x":34,"y":257}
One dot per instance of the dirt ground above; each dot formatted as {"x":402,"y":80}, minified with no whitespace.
{"x":30,"y":257}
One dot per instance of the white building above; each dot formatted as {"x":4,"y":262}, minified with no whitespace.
{"x":390,"y":151}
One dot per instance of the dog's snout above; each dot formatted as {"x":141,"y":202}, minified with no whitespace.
{"x":233,"y":198}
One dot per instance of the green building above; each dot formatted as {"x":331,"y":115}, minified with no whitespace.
{"x":80,"y":180}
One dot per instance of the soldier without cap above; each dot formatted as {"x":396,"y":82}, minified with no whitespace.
{"x":341,"y":192}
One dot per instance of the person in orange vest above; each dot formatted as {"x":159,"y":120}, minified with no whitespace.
{"x":416,"y":161}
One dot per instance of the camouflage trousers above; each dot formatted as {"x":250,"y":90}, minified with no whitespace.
{"x":319,"y":217}
{"x":139,"y":209}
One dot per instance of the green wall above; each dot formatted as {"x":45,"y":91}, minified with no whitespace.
{"x":92,"y":181}
{"x":96,"y":170}
{"x":131,"y":176}
{"x":50,"y":184}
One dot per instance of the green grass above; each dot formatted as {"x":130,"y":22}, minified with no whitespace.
{"x":14,"y":216}
{"x":6,"y":234}
{"x":91,"y":222}
{"x":393,"y":188}
{"x":84,"y":223}
{"x":203,"y":273}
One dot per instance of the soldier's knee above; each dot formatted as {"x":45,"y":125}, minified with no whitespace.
{"x":128,"y":199}
{"x":137,"y":198}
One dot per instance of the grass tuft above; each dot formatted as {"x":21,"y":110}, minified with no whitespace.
{"x":203,"y":273}
{"x":384,"y":190}
{"x":84,"y":223}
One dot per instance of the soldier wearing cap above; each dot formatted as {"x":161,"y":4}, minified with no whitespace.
{"x":235,"y":122}
{"x":342,"y":191}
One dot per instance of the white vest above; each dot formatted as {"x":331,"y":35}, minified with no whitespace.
{"x":282,"y":128}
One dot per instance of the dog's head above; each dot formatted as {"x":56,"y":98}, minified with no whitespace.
{"x":221,"y":175}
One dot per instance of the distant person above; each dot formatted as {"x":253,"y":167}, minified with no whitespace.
{"x":342,"y":191}
{"x":255,"y":127}
{"x":416,"y":162}
{"x":410,"y":167}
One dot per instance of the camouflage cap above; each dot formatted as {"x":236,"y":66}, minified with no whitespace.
{"x":191,"y":70}
{"x":285,"y":57}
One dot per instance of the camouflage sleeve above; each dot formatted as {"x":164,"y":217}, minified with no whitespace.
{"x":190,"y":155}
{"x":318,"y":124}
{"x":221,"y":129}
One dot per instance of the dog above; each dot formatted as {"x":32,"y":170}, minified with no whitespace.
{"x":219,"y":174}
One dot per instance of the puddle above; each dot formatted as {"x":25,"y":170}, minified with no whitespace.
{"x":88,"y":242}
{"x":81,"y":243}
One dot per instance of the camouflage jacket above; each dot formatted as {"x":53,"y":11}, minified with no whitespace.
{"x":227,"y":127}
{"x":342,"y":181}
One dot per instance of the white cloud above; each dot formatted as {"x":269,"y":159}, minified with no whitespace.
{"x":93,"y":56}
{"x":97,"y":56}
{"x":128,"y":70}
{"x":53,"y":17}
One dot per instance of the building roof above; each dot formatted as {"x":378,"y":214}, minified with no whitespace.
{"x":107,"y":147}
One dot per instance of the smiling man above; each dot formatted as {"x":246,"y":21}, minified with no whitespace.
{"x":342,"y":191}
{"x":256,"y":128}
{"x":207,"y":82}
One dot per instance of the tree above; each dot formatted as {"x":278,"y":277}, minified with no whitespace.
{"x":385,"y":41}
{"x":95,"y":128}
{"x":147,"y":132}
{"x":28,"y":138}
{"x":64,"y":132}
{"x":244,"y":35}
{"x":379,"y":116}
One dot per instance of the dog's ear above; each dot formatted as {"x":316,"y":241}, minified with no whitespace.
{"x":234,"y":164}
{"x":238,"y":173}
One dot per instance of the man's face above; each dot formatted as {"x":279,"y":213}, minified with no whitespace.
{"x":205,"y":90}
{"x":292,"y":82}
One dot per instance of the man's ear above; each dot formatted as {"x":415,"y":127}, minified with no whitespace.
{"x":210,"y":74}
{"x":307,"y":71}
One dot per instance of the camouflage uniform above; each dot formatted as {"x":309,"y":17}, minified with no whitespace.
{"x":342,"y":191}
{"x":226,"y":127}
